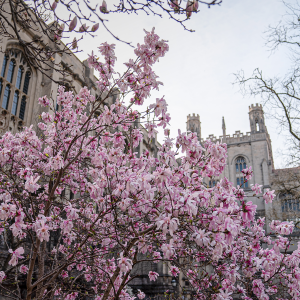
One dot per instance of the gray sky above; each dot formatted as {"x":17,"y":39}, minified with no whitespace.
{"x":197,"y":72}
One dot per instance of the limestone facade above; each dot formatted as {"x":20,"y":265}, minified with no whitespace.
{"x":253,"y":149}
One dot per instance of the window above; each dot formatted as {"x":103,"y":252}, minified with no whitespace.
{"x":212,"y":183}
{"x":288,"y":204}
{"x":4,"y":65}
{"x":240,"y":164}
{"x":16,"y":84}
{"x":15,"y":103}
{"x":6,"y":97}
{"x":19,"y":78}
{"x":22,"y":108}
{"x":26,"y":83}
{"x":10,"y":72}
{"x":256,"y":125}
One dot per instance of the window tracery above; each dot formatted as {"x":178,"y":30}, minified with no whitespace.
{"x":240,"y":164}
{"x":15,"y":80}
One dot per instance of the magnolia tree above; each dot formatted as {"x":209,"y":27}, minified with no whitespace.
{"x":65,"y":247}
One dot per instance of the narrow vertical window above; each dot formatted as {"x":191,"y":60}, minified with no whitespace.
{"x":237,"y":167}
{"x":26,"y":82}
{"x":22,"y":108}
{"x":15,"y":103}
{"x":10,"y":72}
{"x":237,"y":181}
{"x":4,"y":65}
{"x":246,"y":184}
{"x":1,"y":85}
{"x":19,"y":78}
{"x":241,"y":167}
{"x":6,"y":97}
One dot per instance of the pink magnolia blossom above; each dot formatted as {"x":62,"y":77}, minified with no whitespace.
{"x":141,"y":295}
{"x":247,"y":173}
{"x":168,"y":250}
{"x":167,"y":222}
{"x":269,"y":196}
{"x":174,"y":271}
{"x":125,"y":263}
{"x":153,"y":276}
{"x":42,"y":231}
{"x":201,"y":238}
{"x":2,"y":276}
{"x":31,"y":184}
{"x":23,"y":269}
{"x":64,"y":274}
{"x":15,"y":255}
{"x":256,"y":188}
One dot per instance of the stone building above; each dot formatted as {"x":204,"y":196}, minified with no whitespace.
{"x":254,"y":149}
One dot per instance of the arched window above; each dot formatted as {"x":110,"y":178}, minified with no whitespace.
{"x":22,"y":108}
{"x":15,"y":103}
{"x":240,"y":164}
{"x":256,"y":125}
{"x":26,"y":82}
{"x":10,"y":72}
{"x":6,"y":97}
{"x":15,"y":84}
{"x":4,"y":65}
{"x":19,"y":78}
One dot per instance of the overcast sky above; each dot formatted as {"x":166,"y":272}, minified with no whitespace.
{"x":198,"y":70}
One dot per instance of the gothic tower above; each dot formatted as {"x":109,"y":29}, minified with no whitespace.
{"x":193,"y":124}
{"x":256,"y":117}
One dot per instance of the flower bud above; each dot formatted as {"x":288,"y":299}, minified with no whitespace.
{"x":74,"y":43}
{"x":103,"y":7}
{"x":73,"y":24}
{"x":83,"y":28}
{"x":95,"y":27}
{"x":189,"y":9}
{"x":60,"y":29}
{"x":53,"y":6}
{"x":196,"y":5}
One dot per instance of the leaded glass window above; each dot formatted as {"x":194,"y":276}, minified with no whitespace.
{"x":15,"y":103}
{"x":10,"y":72}
{"x":4,"y":65}
{"x":240,"y":164}
{"x":22,"y":108}
{"x":19,"y":78}
{"x":26,"y":82}
{"x":6,"y":97}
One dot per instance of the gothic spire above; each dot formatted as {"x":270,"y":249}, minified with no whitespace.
{"x":223,"y":127}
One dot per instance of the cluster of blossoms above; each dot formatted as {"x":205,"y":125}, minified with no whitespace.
{"x":126,"y":208}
